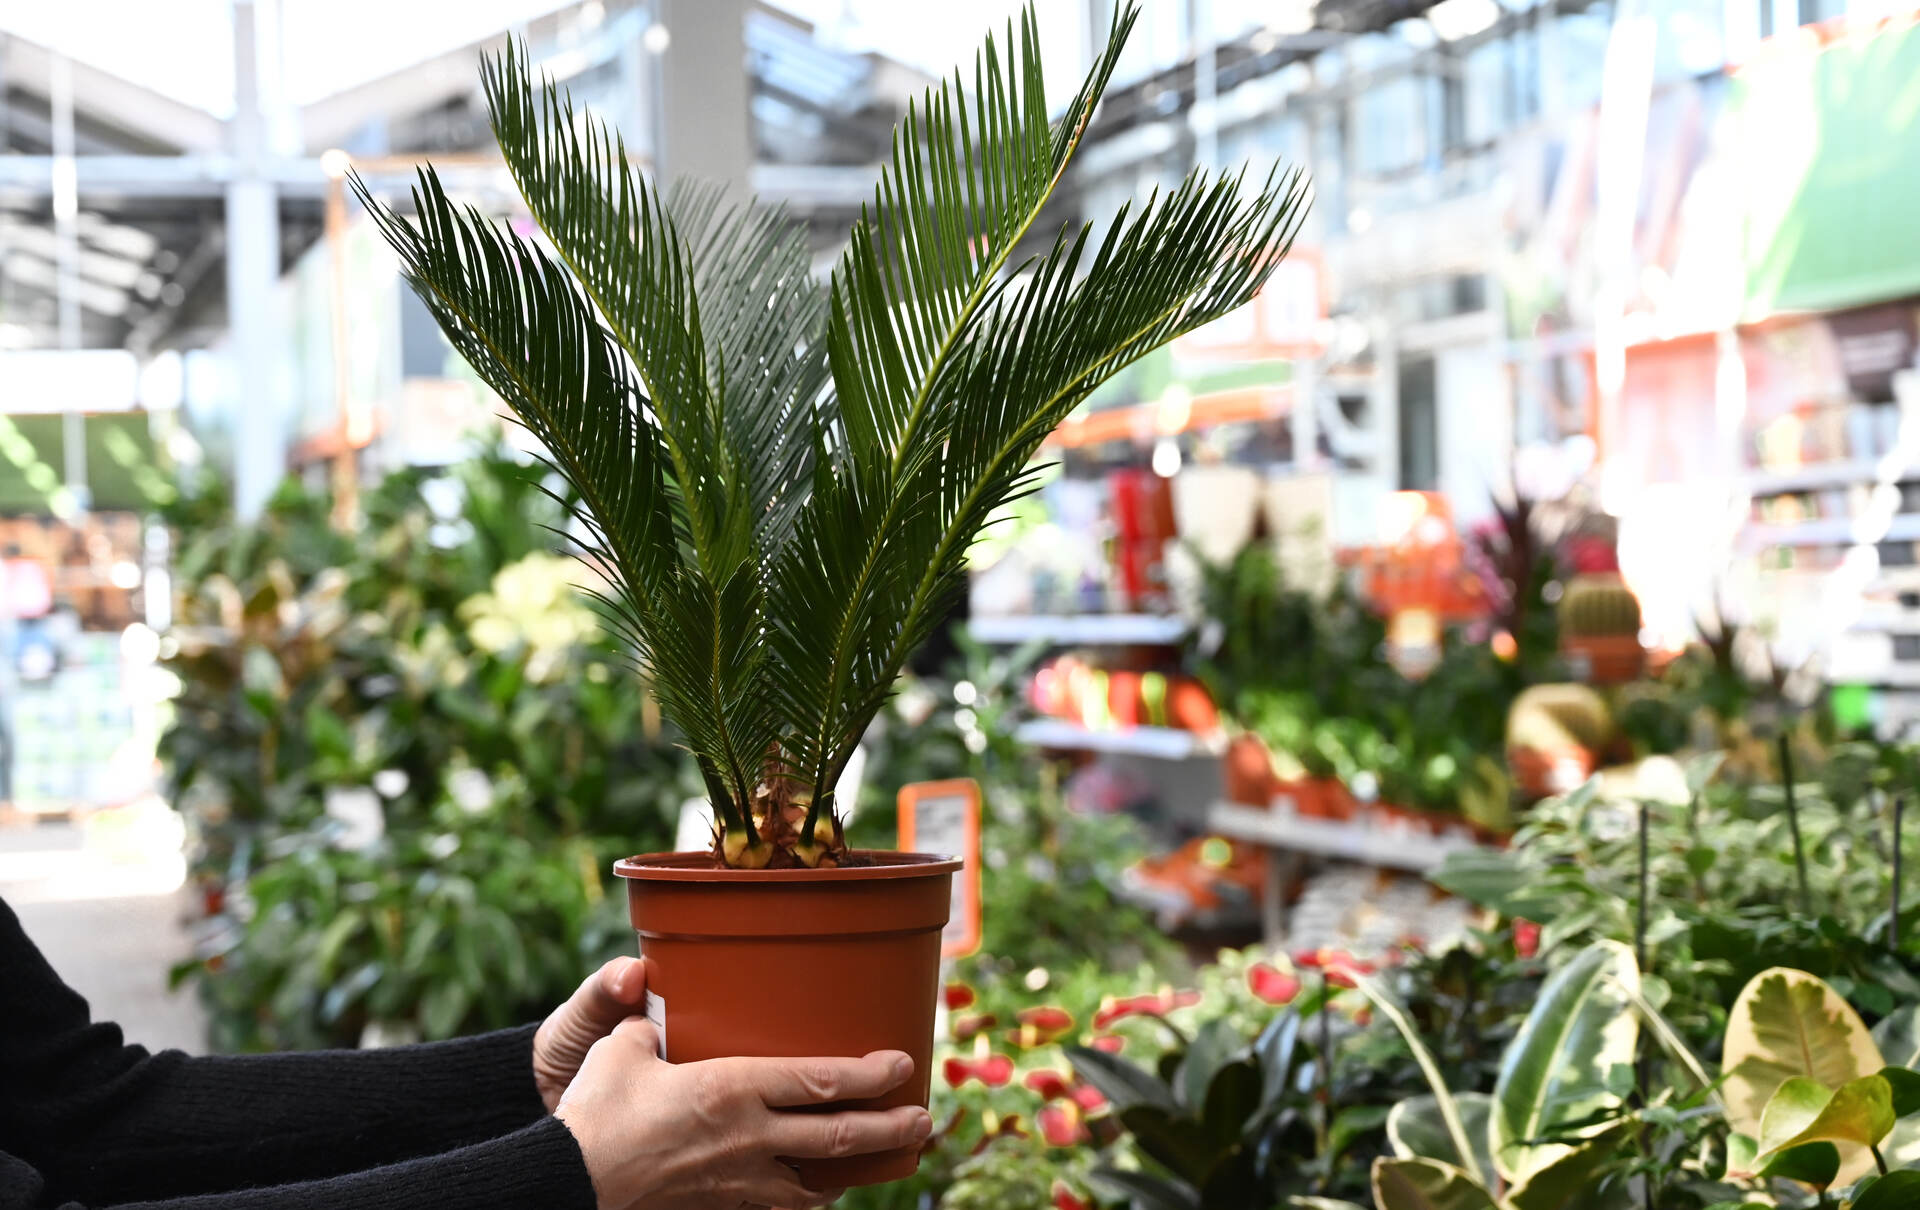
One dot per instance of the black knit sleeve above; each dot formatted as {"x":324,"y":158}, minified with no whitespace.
{"x":535,"y":1168}
{"x":103,"y":1122}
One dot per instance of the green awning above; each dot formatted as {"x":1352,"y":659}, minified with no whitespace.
{"x":121,"y":469}
{"x":1829,"y":162}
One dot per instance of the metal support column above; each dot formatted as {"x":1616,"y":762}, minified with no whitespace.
{"x":253,"y":267}
{"x":704,"y":121}
{"x":66,"y":236}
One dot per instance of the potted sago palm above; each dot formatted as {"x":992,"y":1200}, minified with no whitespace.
{"x":779,"y":479}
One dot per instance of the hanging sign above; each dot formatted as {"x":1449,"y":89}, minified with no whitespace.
{"x":944,"y":817}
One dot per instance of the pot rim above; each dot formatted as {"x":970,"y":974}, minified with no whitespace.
{"x":696,"y":866}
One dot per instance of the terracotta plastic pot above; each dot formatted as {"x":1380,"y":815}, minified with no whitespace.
{"x":1248,"y":771}
{"x":1336,"y":801}
{"x":795,"y":963}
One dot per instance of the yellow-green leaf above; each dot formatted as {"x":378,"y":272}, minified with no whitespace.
{"x":1801,"y":1111}
{"x":1426,"y":1185}
{"x":1788,"y":1024}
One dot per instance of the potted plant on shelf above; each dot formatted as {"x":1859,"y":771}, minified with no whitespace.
{"x":779,"y":480}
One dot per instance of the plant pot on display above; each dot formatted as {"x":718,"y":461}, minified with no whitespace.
{"x":780,"y":480}
{"x":1605,"y":659}
{"x":1248,"y":772}
{"x":854,"y":952}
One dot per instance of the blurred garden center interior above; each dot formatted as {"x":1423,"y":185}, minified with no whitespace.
{"x":1569,"y":462}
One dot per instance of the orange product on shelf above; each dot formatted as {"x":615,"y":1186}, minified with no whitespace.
{"x":1247,"y":770}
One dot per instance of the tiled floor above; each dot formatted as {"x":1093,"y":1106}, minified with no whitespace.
{"x":102,"y":902}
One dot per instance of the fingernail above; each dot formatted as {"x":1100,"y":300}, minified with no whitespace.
{"x":902,"y":1067}
{"x":922,"y":1126}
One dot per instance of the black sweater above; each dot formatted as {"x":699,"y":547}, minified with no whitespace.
{"x":89,"y":1121}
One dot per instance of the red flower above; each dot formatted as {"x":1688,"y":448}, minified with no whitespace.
{"x":1309,"y":959}
{"x":1060,"y":1124}
{"x":1272,"y":984}
{"x":1142,"y":1006}
{"x":1050,"y":1084}
{"x":1363,"y":1017}
{"x":1039,"y":1026}
{"x":964,"y":1028}
{"x":1063,"y":1199}
{"x":959,"y":996}
{"x":1087,"y":1097}
{"x":994,"y":1071}
{"x":1526,"y":938}
{"x":1112,"y":1044}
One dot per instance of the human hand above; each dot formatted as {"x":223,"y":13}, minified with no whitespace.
{"x":711,"y":1135}
{"x":609,"y":996}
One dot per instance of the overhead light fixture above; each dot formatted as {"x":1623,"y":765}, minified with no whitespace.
{"x":1457,"y":19}
{"x":334,"y":163}
{"x":656,"y":39}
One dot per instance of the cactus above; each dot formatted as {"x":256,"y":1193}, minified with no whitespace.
{"x":1599,"y":606}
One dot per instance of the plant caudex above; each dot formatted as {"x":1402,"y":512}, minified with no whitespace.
{"x":780,"y":479}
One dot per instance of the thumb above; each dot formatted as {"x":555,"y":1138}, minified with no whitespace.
{"x":611,"y":994}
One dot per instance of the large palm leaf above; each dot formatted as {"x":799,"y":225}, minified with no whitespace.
{"x":782,"y":480}
{"x":950,"y":373}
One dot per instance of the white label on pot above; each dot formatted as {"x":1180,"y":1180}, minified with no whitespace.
{"x":657,"y":1013}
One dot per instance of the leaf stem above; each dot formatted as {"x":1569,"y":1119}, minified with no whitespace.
{"x":1893,"y":919}
{"x":1793,"y":821}
{"x":1878,"y":1159}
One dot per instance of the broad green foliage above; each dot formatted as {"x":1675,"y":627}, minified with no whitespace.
{"x":1417,"y":1130}
{"x":1426,"y":1185}
{"x":781,"y":481}
{"x":1788,"y":1024}
{"x":1566,"y":1065}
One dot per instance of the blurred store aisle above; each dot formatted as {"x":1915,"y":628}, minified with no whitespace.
{"x":102,"y":899}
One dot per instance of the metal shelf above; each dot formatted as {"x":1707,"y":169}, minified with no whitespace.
{"x":1091,"y":630}
{"x":1344,"y":840}
{"x":1835,"y":531}
{"x":1159,"y":743}
{"x":1841,"y":472}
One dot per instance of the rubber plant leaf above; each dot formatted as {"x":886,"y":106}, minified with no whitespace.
{"x":1905,"y":1084}
{"x":1416,"y":1132}
{"x":1801,"y":1111}
{"x":1147,"y":1192}
{"x":1894,"y":1191}
{"x":1787,"y":1024}
{"x":1576,"y":1181}
{"x":1560,"y":1067}
{"x":1443,"y":1098}
{"x":1815,"y":1164}
{"x":1426,"y":1185}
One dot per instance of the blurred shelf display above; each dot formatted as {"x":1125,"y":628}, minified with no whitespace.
{"x":1064,"y":630}
{"x":1360,"y":839}
{"x":1820,"y":531}
{"x":1159,"y":743}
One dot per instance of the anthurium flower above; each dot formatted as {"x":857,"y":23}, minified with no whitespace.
{"x":1112,"y":1044}
{"x":1526,"y":938}
{"x":995,"y":1126}
{"x":1050,"y":1084}
{"x":1060,"y":1124}
{"x":1271,"y":984}
{"x":1087,"y":1097}
{"x":965,"y":1028}
{"x":1039,"y":1026}
{"x":1064,"y":1199}
{"x":958,"y":996}
{"x":1150,"y":1005}
{"x":994,"y":1071}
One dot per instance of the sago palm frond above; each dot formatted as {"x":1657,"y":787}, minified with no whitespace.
{"x":782,"y":480}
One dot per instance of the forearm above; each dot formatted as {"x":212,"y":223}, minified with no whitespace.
{"x":204,"y":1125}
{"x":537,"y":1167}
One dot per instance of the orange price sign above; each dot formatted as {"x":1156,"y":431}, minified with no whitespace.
{"x":944,"y":817}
